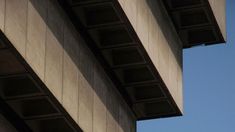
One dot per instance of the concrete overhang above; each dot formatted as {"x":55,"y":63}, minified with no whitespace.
{"x":109,"y":33}
{"x":106,"y":29}
{"x":198,"y":21}
{"x":25,"y":101}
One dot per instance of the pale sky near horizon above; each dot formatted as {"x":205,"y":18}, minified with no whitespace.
{"x":209,"y":88}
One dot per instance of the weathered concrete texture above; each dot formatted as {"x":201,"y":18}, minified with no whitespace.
{"x":2,"y":14}
{"x":219,"y":10}
{"x":5,"y":126}
{"x":54,"y":51}
{"x":153,"y":38}
{"x":85,"y":116}
{"x":142,"y":22}
{"x":129,"y":6}
{"x":86,"y":91}
{"x":112,"y":112}
{"x":15,"y":23}
{"x":99,"y":109}
{"x":36,"y":36}
{"x":125,"y":125}
{"x":70,"y":87}
{"x":64,"y":63}
{"x":70,"y":73}
{"x":160,"y":41}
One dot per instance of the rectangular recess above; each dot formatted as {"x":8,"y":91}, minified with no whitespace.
{"x":36,"y":107}
{"x":111,"y":36}
{"x":135,"y":75}
{"x":16,"y":86}
{"x":77,"y":2}
{"x":153,"y":109}
{"x":9,"y":63}
{"x":195,"y":17}
{"x":59,"y":124}
{"x":147,"y":92}
{"x":97,"y":14}
{"x":124,"y":56}
{"x":205,"y":35}
{"x":175,"y":4}
{"x":156,"y":108}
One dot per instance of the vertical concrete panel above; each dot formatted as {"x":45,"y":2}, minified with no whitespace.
{"x":113,"y":105}
{"x":54,"y":51}
{"x":85,"y":105}
{"x":163,"y":57}
{"x":86,"y":63}
{"x":36,"y":35}
{"x":219,"y":10}
{"x":2,"y":14}
{"x":142,"y":22}
{"x":99,"y":107}
{"x":130,"y":8}
{"x":181,"y":94}
{"x":70,"y":87}
{"x":112,"y":111}
{"x":153,"y":40}
{"x":123,"y":119}
{"x":99,"y":115}
{"x":126,"y":120}
{"x":70,"y":76}
{"x":111,"y":125}
{"x":70,"y":72}
{"x":15,"y":23}
{"x":173,"y":71}
{"x":71,"y":42}
{"x":180,"y":86}
{"x":86,"y":91}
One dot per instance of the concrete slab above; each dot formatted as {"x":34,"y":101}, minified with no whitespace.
{"x":86,"y":94}
{"x":54,"y":52}
{"x":36,"y":35}
{"x":219,"y":10}
{"x":15,"y":23}
{"x":70,"y":87}
{"x":99,"y":106}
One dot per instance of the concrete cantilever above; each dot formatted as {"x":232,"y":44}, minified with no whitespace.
{"x":140,"y":42}
{"x":198,"y":21}
{"x":85,"y":65}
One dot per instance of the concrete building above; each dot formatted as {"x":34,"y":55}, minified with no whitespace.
{"x":98,"y":65}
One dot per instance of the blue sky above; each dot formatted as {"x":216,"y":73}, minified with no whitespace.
{"x":209,"y":88}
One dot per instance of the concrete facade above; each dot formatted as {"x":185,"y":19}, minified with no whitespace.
{"x":47,"y":40}
{"x":160,"y":40}
{"x":219,"y":9}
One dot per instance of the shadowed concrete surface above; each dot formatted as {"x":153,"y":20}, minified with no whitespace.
{"x":98,"y":65}
{"x":198,"y":21}
{"x":60,"y":58}
{"x":24,"y":99}
{"x":108,"y":32}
